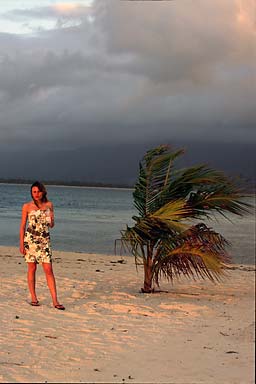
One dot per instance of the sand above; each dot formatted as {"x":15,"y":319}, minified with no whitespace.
{"x":197,"y":332}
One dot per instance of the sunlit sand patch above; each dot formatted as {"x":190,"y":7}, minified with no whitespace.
{"x":125,"y":339}
{"x":109,"y":340}
{"x":116,"y":348}
{"x":222,"y":297}
{"x":79,"y":295}
{"x":215,"y":292}
{"x":109,"y":326}
{"x":131,"y":309}
{"x":189,"y":309}
{"x":90,"y":309}
{"x":88,"y":331}
{"x":122,"y":294}
{"x":93,"y":345}
{"x":72,"y":315}
{"x":116,"y":297}
{"x":246,"y":334}
{"x":74,"y":283}
{"x":24,"y":333}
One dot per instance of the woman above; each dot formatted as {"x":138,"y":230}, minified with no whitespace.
{"x":35,"y":240}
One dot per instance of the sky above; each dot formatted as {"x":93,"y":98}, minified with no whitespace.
{"x":86,"y":87}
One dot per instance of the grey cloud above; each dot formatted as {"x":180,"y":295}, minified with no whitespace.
{"x":142,"y":72}
{"x":172,"y":40}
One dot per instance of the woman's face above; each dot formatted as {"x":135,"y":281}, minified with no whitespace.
{"x":37,"y":194}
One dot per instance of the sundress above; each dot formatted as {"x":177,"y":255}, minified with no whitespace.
{"x":37,"y":241}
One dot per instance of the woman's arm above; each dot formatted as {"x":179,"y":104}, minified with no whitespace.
{"x":24,"y":216}
{"x":51,"y":225}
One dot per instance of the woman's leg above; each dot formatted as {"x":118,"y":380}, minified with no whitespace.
{"x":32,"y":281}
{"x":51,"y":282}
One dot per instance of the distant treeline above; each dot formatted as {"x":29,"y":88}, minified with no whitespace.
{"x":73,"y":183}
{"x":248,"y":184}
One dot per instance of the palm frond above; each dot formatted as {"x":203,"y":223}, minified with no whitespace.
{"x":174,"y":210}
{"x":185,"y":180}
{"x":166,"y":199}
{"x":201,"y":253}
{"x":190,"y":262}
{"x":219,"y":198}
{"x":134,"y":243}
{"x":147,"y":231}
{"x":140,"y":192}
{"x":154,"y":176}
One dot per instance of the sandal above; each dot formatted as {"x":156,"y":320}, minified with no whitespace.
{"x":35,"y":303}
{"x":59,"y":306}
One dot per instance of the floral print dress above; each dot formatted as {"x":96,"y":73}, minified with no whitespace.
{"x":37,"y":241}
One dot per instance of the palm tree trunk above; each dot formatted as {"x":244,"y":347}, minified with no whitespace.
{"x":148,"y":271}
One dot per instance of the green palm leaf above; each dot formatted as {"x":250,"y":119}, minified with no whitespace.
{"x":200,"y":251}
{"x":154,"y":175}
{"x":167,"y":199}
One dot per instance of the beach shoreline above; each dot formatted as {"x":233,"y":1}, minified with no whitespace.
{"x":192,"y":332}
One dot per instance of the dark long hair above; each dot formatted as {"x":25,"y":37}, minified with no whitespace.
{"x":41,"y":188}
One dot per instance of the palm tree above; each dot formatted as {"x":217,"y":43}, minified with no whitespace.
{"x":162,"y":238}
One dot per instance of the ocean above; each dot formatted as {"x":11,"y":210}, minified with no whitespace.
{"x":90,"y":219}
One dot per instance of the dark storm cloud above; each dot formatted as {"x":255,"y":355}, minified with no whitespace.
{"x":118,"y":163}
{"x":130,"y":72}
{"x":196,"y":59}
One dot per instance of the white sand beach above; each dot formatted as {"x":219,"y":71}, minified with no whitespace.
{"x":197,"y":332}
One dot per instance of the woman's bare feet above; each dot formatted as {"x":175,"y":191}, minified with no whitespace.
{"x":59,"y":306}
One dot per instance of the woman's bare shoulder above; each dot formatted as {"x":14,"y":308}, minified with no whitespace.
{"x":27,"y":206}
{"x":49,"y":204}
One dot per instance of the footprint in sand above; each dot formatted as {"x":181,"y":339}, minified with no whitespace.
{"x":77,"y":295}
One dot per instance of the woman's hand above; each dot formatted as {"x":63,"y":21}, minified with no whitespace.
{"x":51,"y":214}
{"x":22,"y":249}
{"x":22,"y":228}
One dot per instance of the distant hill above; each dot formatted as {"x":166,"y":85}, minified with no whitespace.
{"x":74,"y":183}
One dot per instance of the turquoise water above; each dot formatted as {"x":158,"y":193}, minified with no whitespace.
{"x":90,"y":219}
{"x":86,"y":219}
